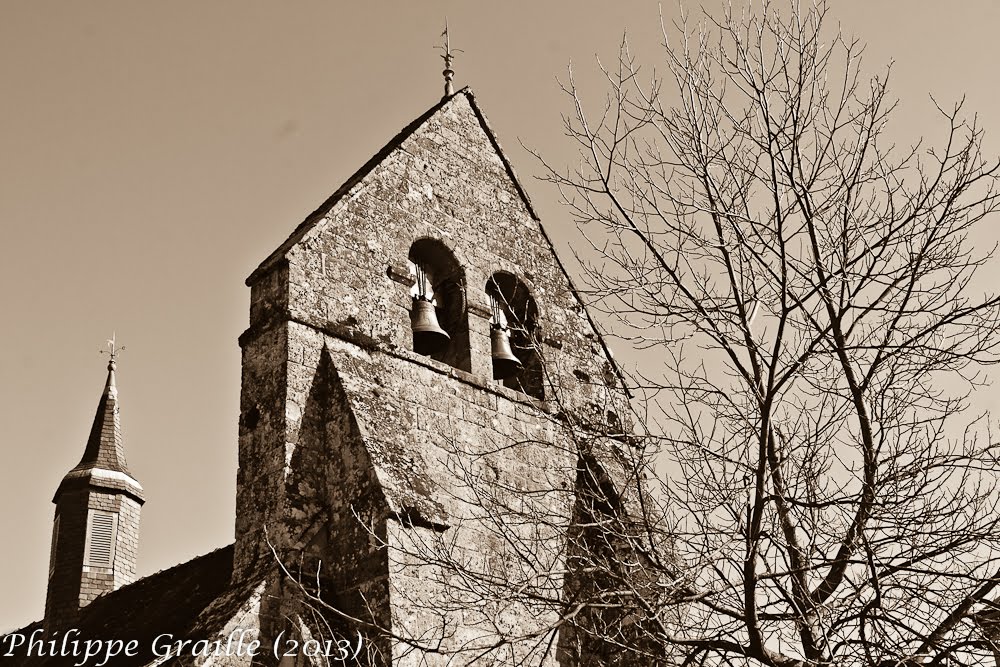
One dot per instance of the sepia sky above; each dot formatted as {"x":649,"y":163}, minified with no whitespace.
{"x":152,"y":154}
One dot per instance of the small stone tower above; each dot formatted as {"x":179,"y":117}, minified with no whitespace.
{"x":365,"y":450}
{"x":95,"y":534}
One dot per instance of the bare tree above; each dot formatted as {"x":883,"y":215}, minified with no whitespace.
{"x":811,"y":488}
{"x":810,"y":290}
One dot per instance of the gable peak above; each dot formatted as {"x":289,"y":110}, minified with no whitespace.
{"x":314,"y":218}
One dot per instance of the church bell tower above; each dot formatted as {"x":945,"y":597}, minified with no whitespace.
{"x":414,"y":356}
{"x":95,"y":534}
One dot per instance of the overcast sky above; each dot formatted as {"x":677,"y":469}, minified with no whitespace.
{"x":151,"y":154}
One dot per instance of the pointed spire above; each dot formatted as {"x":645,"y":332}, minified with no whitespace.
{"x":95,"y":532}
{"x":105,"y":451}
{"x":104,"y":446}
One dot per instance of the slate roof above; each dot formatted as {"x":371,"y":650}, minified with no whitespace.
{"x":177,"y":601}
{"x":103,"y":463}
{"x":104,"y":446}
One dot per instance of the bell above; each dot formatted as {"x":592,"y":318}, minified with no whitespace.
{"x":505,"y":364}
{"x":428,"y":336}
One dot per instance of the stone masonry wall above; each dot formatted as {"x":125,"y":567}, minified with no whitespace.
{"x":445,"y":182}
{"x":388,"y":465}
{"x":262,"y":450}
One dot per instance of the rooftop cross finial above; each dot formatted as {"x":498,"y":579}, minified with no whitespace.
{"x":112,"y":351}
{"x":448,"y":56}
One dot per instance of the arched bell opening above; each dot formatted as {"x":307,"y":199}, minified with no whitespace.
{"x":512,"y":334}
{"x":438,"y":317}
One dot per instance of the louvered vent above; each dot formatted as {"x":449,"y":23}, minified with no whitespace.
{"x":101,"y":540}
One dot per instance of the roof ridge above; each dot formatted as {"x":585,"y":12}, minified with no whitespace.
{"x":189,"y":573}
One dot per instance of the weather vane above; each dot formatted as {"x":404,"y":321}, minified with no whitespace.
{"x":448,"y":56}
{"x":112,"y":351}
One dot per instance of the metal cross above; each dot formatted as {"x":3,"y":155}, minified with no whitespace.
{"x":113,"y":348}
{"x":448,"y":56}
